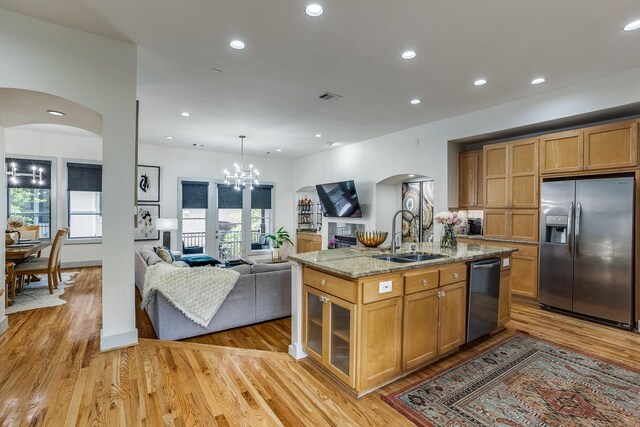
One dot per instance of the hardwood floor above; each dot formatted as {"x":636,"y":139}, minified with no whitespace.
{"x":52,"y":373}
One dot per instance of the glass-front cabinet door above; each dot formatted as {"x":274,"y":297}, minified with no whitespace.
{"x":314,"y":323}
{"x":341,"y":340}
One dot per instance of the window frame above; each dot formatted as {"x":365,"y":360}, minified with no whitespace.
{"x":53,"y":192}
{"x":65,"y":206}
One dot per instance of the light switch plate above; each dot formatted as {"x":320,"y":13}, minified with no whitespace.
{"x":386,"y":286}
{"x":505,"y":262}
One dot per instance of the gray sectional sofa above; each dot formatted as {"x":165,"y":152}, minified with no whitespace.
{"x":263,"y":292}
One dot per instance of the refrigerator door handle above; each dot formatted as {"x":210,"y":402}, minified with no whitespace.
{"x":577,"y":236}
{"x":570,"y":229}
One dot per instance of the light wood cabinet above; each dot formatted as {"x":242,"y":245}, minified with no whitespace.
{"x":504,"y":303}
{"x":308,"y":242}
{"x":381,"y":345}
{"x":610,"y":146}
{"x":329,"y":333}
{"x":452,"y":309}
{"x":471,"y":191}
{"x":496,"y":170}
{"x":420,"y":342}
{"x":515,"y":224}
{"x":524,"y":271}
{"x":511,"y":174}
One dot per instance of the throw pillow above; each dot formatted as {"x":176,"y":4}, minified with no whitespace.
{"x":165,"y":254}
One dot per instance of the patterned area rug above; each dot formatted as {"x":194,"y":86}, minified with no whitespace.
{"x":525,"y":382}
{"x":36,"y":294}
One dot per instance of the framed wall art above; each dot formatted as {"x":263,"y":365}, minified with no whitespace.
{"x":148,"y":183}
{"x":147,"y":220}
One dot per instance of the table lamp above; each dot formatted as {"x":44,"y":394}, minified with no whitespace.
{"x":167,"y":225}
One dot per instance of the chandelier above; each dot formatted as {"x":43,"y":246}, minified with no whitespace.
{"x":35,"y":174}
{"x":241,"y":177}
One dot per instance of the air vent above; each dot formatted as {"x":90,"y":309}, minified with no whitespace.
{"x":328,"y":96}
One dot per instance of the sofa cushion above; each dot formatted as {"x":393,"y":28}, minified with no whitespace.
{"x":149,"y":256}
{"x":266,"y":268}
{"x":200,"y":260}
{"x":165,"y":254}
{"x":242,"y":269}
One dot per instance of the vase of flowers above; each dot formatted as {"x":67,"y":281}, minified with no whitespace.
{"x":12,"y":234}
{"x":333,"y":243}
{"x":449,"y":220}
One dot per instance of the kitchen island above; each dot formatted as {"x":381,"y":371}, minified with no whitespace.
{"x":368,"y":319}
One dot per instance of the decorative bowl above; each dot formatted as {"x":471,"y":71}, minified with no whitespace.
{"x":371,"y":239}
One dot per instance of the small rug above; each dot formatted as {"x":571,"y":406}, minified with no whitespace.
{"x":524,"y":381}
{"x":36,"y":295}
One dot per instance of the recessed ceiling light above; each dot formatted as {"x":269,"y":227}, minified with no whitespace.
{"x":318,"y":135}
{"x":632,"y":25}
{"x":409,"y":54}
{"x":237,"y":44}
{"x":55,"y":113}
{"x":168,"y":137}
{"x":480,"y":82}
{"x":411,"y":175}
{"x":185,"y":114}
{"x":538,"y":81}
{"x":415,"y":101}
{"x":314,"y":10}
{"x":279,"y":150}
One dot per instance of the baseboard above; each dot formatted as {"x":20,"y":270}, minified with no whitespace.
{"x":79,"y":264}
{"x":4,"y":325}
{"x":112,"y":342}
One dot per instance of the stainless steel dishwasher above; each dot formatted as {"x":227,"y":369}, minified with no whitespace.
{"x":483,"y":293}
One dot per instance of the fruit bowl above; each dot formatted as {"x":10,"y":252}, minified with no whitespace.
{"x":371,"y":239}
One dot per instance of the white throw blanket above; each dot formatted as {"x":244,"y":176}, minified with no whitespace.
{"x":197,"y":292}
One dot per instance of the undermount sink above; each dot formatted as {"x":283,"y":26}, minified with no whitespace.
{"x":400,"y":258}
{"x":392,"y":258}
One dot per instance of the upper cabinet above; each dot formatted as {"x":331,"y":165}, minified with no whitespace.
{"x":610,"y":146}
{"x":511,"y":174}
{"x":470,"y":193}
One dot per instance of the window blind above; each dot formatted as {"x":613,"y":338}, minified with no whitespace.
{"x":229,"y":197}
{"x":261,"y":197}
{"x":84,"y":177}
{"x":195,"y":195}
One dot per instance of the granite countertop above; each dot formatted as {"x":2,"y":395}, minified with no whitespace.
{"x":356,"y":263}
{"x":496,"y":239}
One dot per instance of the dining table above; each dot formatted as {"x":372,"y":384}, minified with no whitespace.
{"x":20,"y":252}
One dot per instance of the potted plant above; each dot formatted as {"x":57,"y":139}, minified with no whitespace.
{"x":279,"y":239}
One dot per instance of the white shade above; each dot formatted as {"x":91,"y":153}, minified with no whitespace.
{"x":167,"y":224}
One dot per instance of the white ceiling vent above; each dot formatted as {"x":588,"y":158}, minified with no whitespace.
{"x":328,"y":96}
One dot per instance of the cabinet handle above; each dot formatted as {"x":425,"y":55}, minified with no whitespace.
{"x":323,"y":282}
{"x":321,"y":298}
{"x":456,"y":275}
{"x":425,"y":282}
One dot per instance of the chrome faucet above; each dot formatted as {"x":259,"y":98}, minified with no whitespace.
{"x":393,"y":229}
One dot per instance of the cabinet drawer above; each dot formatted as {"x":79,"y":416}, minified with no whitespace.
{"x":330,"y":284}
{"x":527,"y":250}
{"x":371,"y":288}
{"x":453,"y":274}
{"x":420,"y":281}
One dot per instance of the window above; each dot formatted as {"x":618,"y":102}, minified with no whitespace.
{"x":29,"y":198}
{"x":195,"y":203}
{"x":261,"y":217}
{"x":84,"y":190}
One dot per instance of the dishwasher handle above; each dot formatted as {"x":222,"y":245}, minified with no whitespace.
{"x":486,"y":264}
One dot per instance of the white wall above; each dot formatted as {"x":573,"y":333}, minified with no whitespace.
{"x":424,"y":149}
{"x":59,"y":146}
{"x":4,"y":323}
{"x":200,"y":164}
{"x":99,"y":73}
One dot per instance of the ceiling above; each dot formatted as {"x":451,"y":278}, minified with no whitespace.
{"x":269,"y":91}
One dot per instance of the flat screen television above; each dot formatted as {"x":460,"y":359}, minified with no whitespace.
{"x":339,"y":199}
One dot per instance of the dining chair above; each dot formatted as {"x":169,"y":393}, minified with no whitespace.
{"x":10,"y":282}
{"x":30,"y":232}
{"x":48,"y":265}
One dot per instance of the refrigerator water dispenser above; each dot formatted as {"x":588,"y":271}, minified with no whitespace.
{"x":556,"y":228}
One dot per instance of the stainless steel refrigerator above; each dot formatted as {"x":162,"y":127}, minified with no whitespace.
{"x":586,"y":247}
